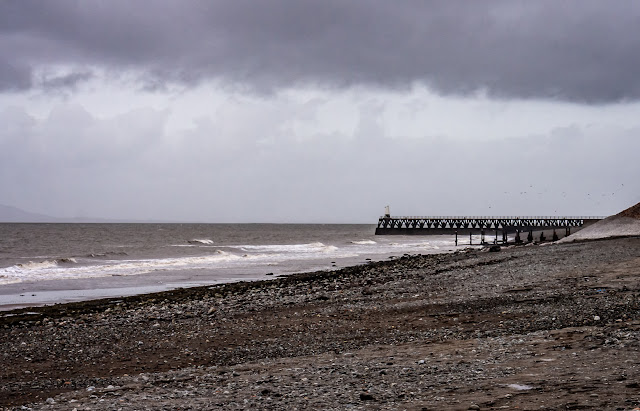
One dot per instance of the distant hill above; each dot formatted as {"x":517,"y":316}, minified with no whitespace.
{"x":9,"y":214}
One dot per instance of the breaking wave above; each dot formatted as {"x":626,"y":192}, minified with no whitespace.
{"x":107,"y":254}
{"x":204,"y":241}
{"x":289,"y":248}
{"x":364,"y":242}
{"x":36,"y":265}
{"x":62,"y":268}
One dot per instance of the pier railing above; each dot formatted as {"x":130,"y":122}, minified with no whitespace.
{"x":430,"y":225}
{"x":494,"y":217}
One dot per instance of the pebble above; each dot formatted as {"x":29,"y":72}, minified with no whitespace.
{"x":314,"y":344}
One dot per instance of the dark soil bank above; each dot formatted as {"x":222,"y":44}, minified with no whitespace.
{"x":539,"y":327}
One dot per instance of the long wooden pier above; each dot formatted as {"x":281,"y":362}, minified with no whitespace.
{"x":388,"y":225}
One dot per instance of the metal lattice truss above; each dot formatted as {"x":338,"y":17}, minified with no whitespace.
{"x":458,"y":223}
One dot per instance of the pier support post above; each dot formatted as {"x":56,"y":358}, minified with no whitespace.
{"x":530,"y":236}
{"x":555,"y":236}
{"x":542,"y":237}
{"x":469,"y":237}
{"x":482,"y":237}
{"x":456,"y":238}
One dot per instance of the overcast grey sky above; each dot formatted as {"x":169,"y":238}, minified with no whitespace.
{"x":318,"y":111}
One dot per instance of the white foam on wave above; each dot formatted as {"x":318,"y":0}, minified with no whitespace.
{"x":364,"y":242}
{"x":422,"y":244}
{"x":204,"y":241}
{"x":6,"y":279}
{"x":37,"y":265}
{"x":316,"y":247}
{"x":259,"y":255}
{"x":219,"y":257}
{"x":50,"y":269}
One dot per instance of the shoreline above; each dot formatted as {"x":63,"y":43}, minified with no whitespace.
{"x":175,"y":294}
{"x":529,"y":327}
{"x":61,"y":291}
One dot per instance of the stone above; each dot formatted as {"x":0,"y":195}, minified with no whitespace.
{"x":366,"y":397}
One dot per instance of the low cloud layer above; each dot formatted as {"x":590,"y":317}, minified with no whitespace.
{"x":579,"y":51}
{"x":213,"y":173}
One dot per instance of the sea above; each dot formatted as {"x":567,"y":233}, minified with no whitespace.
{"x":52,"y":263}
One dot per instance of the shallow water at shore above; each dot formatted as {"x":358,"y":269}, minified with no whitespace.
{"x":51,"y":263}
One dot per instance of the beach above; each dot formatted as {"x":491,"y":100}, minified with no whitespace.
{"x":555,"y":326}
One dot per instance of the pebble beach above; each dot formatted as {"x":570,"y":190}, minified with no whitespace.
{"x":555,"y":326}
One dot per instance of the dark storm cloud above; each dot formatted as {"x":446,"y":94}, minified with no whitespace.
{"x":65,"y":81}
{"x":585,"y":51}
{"x":13,"y":77}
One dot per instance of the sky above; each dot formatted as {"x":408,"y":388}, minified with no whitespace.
{"x":318,"y":111}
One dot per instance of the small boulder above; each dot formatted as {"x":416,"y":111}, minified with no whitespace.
{"x":366,"y":397}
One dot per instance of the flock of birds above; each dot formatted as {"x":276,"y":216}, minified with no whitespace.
{"x":595,"y":199}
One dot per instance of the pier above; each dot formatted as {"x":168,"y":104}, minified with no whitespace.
{"x":500,"y":226}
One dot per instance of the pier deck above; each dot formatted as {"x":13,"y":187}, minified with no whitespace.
{"x":388,"y":225}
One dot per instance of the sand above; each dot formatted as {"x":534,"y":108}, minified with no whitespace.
{"x":553,"y":327}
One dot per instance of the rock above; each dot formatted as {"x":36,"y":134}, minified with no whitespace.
{"x":366,"y":397}
{"x":494,"y":249}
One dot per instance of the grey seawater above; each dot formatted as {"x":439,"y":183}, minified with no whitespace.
{"x":51,"y":263}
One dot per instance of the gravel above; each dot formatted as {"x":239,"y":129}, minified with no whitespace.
{"x":534,"y":327}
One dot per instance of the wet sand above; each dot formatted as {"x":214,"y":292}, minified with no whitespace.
{"x":535,"y":327}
